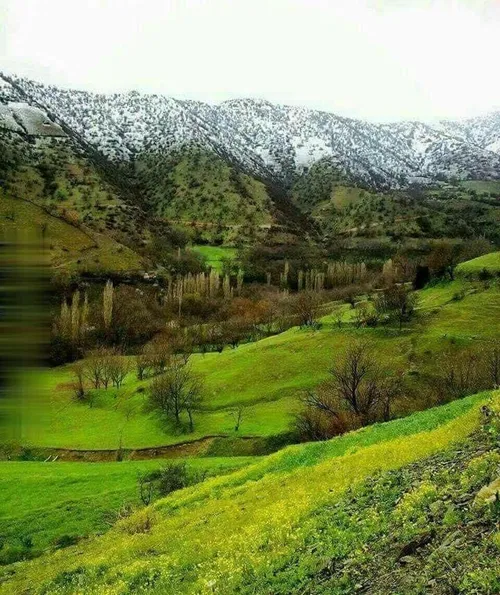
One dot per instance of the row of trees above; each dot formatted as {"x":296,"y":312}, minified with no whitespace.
{"x":103,"y":367}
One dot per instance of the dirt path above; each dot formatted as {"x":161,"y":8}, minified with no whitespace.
{"x":192,"y":448}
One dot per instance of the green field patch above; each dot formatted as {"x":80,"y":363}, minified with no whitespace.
{"x":215,"y":255}
{"x":46,"y":502}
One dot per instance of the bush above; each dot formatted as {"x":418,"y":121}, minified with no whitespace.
{"x":15,"y":553}
{"x":481,"y":471}
{"x":66,"y":541}
{"x":140,"y":522}
{"x":163,"y":481}
{"x":485,"y":275}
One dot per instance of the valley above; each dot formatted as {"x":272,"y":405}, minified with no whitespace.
{"x":250,"y":348}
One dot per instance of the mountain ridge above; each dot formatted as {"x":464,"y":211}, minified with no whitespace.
{"x":272,"y":141}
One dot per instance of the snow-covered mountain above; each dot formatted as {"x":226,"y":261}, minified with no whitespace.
{"x":266,"y":140}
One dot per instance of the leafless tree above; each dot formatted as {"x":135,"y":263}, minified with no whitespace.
{"x":358,"y":392}
{"x":237,"y":414}
{"x":118,"y":367}
{"x":444,"y":257}
{"x":461,"y":373}
{"x":396,"y":301}
{"x":95,"y":366}
{"x":492,"y":356}
{"x":353,"y":378}
{"x":160,"y":352}
{"x":192,"y":398}
{"x":176,"y":391}
{"x":360,"y":315}
{"x":79,"y":385}
{"x":143,"y":365}
{"x":305,"y":308}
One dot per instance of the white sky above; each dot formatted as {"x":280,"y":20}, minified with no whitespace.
{"x":372,"y":59}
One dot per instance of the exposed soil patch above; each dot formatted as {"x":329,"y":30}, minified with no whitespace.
{"x":206,"y":446}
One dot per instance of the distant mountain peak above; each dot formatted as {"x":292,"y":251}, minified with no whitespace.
{"x":269,"y":140}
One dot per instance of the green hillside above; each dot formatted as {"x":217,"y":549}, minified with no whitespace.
{"x":450,"y":314}
{"x":52,"y":186}
{"x":58,"y":175}
{"x":71,"y":247}
{"x":340,"y":206}
{"x":52,"y":502}
{"x":307,"y":519}
{"x":489,"y":263}
{"x":205,"y":194}
{"x":393,"y":507}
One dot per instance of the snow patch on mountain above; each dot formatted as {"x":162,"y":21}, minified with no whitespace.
{"x":272,"y":141}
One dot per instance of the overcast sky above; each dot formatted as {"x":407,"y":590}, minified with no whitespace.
{"x":373,"y":59}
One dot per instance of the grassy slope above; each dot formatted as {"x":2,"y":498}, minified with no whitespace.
{"x":287,"y":364}
{"x":69,"y":247}
{"x":213,"y":537}
{"x":200,"y":190}
{"x":338,"y":206}
{"x":488,"y":262}
{"x":51,"y":183}
{"x":46,"y":501}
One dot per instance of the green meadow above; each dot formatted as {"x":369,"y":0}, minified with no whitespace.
{"x":488,"y":262}
{"x":223,"y":534}
{"x":266,"y":377}
{"x":48,"y":502}
{"x":215,"y":255}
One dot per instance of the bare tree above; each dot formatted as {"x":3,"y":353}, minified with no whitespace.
{"x":182,"y":346}
{"x":176,"y":391}
{"x":352,"y":378}
{"x":443,"y":258}
{"x":215,"y":336}
{"x":107,"y":356}
{"x":79,"y":385}
{"x":158,"y":353}
{"x":313,"y":424}
{"x":305,"y":308}
{"x":361,"y":314}
{"x":118,"y":367}
{"x":493,"y":363}
{"x":358,"y":392}
{"x":397,"y":302}
{"x":323,"y":399}
{"x":461,"y":373}
{"x":237,"y":414}
{"x":94,"y":368}
{"x":143,"y":365}
{"x":192,"y":398}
